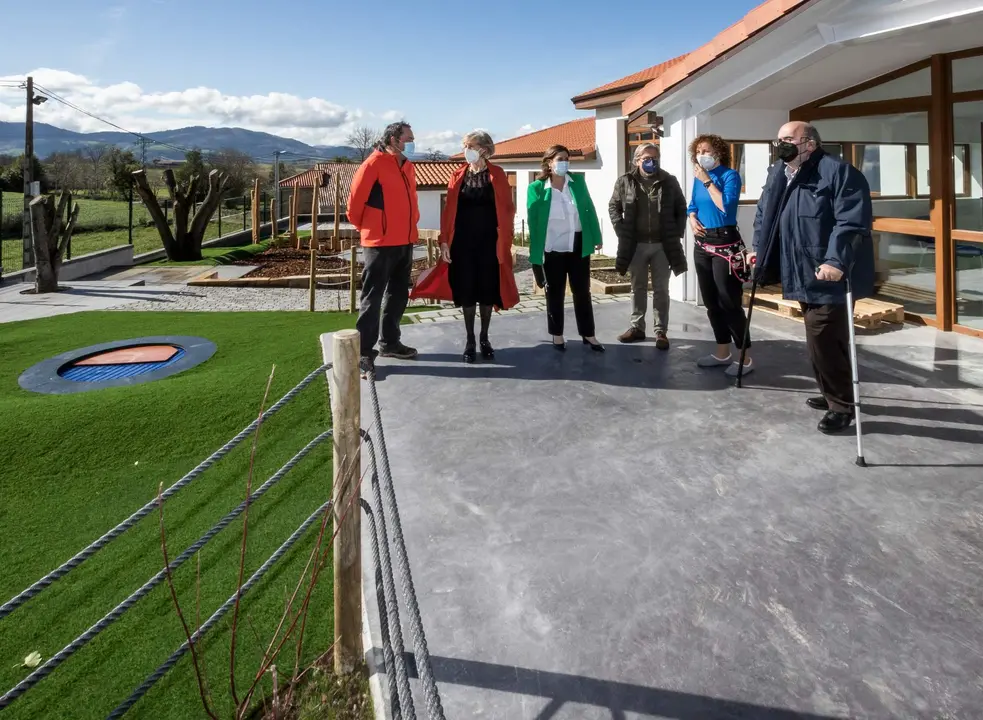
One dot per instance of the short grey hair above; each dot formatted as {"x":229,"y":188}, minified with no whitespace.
{"x":810,"y":133}
{"x":482,"y":139}
{"x":641,"y":149}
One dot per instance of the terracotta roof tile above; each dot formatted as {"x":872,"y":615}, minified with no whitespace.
{"x":428,"y":175}
{"x":635,"y":80}
{"x":576,"y":135}
{"x":758,"y":19}
{"x":434,"y":173}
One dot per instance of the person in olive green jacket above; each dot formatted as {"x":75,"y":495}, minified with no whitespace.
{"x":563,"y":233}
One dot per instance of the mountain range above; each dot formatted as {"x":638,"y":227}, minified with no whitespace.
{"x":170,"y":144}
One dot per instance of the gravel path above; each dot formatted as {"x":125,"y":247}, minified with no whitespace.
{"x":226,"y":299}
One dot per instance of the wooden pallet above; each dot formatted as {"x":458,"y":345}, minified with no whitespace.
{"x":868,"y":313}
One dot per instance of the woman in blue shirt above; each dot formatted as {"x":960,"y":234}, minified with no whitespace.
{"x":719,"y":254}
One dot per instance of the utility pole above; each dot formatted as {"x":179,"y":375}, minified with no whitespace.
{"x":143,"y":142}
{"x":28,"y":246}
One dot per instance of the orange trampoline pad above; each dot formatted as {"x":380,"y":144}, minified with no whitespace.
{"x":129,"y":356}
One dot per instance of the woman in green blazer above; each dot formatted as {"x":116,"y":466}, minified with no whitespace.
{"x":563,"y":233}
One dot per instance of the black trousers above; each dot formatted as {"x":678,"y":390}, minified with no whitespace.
{"x":558,"y":268}
{"x":828,"y":341}
{"x":385,"y":286}
{"x":722,"y":294}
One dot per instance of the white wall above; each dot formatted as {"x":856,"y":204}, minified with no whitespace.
{"x":429,"y":201}
{"x":609,"y":137}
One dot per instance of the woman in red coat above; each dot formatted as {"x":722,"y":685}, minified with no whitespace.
{"x":476,"y":234}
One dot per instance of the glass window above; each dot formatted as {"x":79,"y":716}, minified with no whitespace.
{"x":968,"y":217}
{"x":752,"y":160}
{"x":885,"y":149}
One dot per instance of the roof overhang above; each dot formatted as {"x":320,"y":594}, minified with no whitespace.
{"x":832,"y":45}
{"x":763,"y":20}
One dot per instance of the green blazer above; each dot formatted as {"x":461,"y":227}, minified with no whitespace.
{"x":538,"y":213}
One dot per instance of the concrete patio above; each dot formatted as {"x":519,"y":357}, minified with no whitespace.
{"x":628,"y":536}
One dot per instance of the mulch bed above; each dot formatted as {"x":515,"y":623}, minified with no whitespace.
{"x":608,"y":276}
{"x":284,"y":262}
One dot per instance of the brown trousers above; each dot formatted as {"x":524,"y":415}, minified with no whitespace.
{"x":828,"y":341}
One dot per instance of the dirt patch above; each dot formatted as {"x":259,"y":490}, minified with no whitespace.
{"x":609,"y":276}
{"x":285,"y":262}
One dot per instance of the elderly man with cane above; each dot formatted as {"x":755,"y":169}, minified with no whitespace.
{"x":812,"y":232}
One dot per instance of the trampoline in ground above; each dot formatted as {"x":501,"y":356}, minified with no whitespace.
{"x":628,"y":536}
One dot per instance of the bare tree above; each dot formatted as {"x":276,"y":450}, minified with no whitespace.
{"x":65,"y":169}
{"x":52,"y":231}
{"x":434,"y":154}
{"x":363,"y":139}
{"x":237,"y":165}
{"x":185,"y":242}
{"x":95,"y":178}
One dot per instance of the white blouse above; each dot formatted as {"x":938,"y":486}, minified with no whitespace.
{"x":564,"y":220}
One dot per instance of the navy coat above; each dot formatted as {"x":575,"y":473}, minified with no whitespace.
{"x":824,"y":216}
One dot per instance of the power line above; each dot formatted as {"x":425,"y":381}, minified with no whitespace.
{"x":144,"y":140}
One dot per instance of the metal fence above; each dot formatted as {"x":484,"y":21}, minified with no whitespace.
{"x":387,"y":547}
{"x":106,"y":222}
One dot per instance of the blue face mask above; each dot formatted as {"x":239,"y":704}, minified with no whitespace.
{"x":409,"y":148}
{"x":649,"y":165}
{"x":561,"y":167}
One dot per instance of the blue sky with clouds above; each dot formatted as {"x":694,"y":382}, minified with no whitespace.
{"x":311,"y":70}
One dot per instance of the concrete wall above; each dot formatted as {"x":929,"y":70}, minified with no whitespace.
{"x":81,"y":266}
{"x":609,"y":136}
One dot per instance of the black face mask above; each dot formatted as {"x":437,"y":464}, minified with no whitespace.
{"x":787,"y":151}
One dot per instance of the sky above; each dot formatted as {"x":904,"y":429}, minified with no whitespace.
{"x":313,"y":70}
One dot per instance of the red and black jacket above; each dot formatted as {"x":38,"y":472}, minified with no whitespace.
{"x":382,"y":202}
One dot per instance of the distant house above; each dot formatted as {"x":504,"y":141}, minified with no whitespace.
{"x":432,"y":178}
{"x":164,"y":163}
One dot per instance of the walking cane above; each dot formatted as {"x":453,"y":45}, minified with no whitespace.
{"x":854,"y":370}
{"x":747,"y":326}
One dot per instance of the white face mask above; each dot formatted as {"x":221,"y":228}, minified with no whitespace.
{"x":471,"y":155}
{"x":707,"y":162}
{"x":561,"y":167}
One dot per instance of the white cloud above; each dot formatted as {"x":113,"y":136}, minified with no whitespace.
{"x":313,"y":120}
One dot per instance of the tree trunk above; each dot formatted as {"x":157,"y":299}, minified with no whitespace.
{"x":184,"y":243}
{"x":50,"y":235}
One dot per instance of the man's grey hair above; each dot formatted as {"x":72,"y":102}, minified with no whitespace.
{"x":810,"y":132}
{"x":641,"y":149}
{"x":482,"y":139}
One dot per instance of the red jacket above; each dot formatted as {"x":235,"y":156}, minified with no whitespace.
{"x":434,"y":282}
{"x":382,"y":202}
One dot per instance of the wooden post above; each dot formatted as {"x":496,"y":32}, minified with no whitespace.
{"x":294,"y":235}
{"x":315,"y":206}
{"x":273,"y":219}
{"x":337,"y":213}
{"x":254,"y":209}
{"x":351,"y":281}
{"x":346,"y":411}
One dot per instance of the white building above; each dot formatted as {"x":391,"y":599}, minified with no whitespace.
{"x":893,"y":86}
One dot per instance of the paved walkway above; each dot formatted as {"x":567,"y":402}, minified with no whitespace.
{"x":628,"y":536}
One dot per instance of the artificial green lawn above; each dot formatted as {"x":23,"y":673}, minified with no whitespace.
{"x":73,"y":466}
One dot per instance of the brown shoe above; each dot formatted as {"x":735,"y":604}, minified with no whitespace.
{"x":632,"y":335}
{"x":661,"y":341}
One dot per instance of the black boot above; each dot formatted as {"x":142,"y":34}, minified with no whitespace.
{"x":469,"y":354}
{"x":486,"y":349}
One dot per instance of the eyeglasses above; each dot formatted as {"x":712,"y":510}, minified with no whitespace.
{"x":792,"y":140}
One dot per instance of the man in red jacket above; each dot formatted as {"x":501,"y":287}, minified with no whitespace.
{"x":383,"y":206}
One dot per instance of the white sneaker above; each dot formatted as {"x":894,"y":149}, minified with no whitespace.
{"x":711,"y":360}
{"x":735,"y":366}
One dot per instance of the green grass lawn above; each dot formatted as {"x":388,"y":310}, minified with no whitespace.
{"x":218,"y":256}
{"x":73,"y":466}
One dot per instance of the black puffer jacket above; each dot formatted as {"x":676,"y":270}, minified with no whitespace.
{"x":672,"y":211}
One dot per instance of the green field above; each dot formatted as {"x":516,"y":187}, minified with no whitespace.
{"x":104,"y":224}
{"x":73,"y":466}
